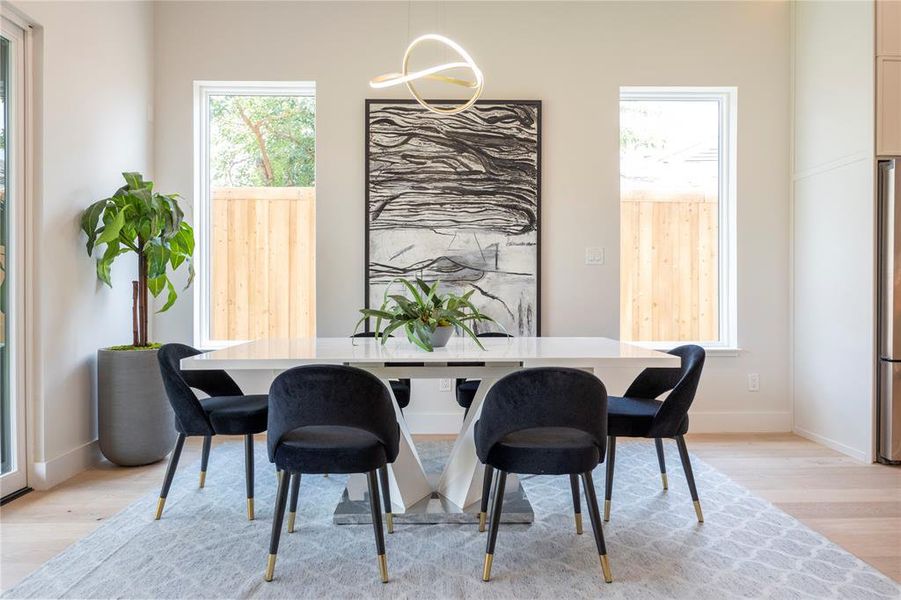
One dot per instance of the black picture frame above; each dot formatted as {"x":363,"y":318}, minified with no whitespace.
{"x":369,"y":102}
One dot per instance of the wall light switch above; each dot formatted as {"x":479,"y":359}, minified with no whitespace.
{"x":753,"y":382}
{"x":595,"y":255}
{"x":444,"y":385}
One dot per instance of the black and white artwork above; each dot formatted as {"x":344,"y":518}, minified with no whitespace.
{"x":456,"y":198}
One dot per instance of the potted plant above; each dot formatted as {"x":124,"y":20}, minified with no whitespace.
{"x":135,"y":419}
{"x":427,"y":317}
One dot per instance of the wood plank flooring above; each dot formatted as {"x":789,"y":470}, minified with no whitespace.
{"x":857,"y":506}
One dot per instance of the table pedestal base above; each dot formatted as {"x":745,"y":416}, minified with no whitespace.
{"x":354,"y":507}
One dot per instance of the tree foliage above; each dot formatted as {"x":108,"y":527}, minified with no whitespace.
{"x":264,"y":141}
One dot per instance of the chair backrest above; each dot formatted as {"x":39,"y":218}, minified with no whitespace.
{"x":543,"y":397}
{"x":683,"y":381}
{"x":332,"y":395}
{"x":190,"y":418}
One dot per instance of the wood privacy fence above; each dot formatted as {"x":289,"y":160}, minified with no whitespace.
{"x":264,"y":258}
{"x":669,"y":273}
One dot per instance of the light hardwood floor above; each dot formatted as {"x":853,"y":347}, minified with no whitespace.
{"x":857,"y":506}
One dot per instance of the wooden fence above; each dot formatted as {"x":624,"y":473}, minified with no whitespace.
{"x":669,"y":272}
{"x":264,"y":259}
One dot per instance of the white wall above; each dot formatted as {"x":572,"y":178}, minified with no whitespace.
{"x":834,"y":225}
{"x":94,"y":85}
{"x":573,"y":57}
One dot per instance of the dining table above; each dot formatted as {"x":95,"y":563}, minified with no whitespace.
{"x":453,"y":494}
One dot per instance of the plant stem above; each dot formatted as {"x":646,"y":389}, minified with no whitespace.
{"x":142,"y":294}
{"x":134,"y":312}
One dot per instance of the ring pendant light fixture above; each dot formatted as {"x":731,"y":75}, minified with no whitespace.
{"x":435,"y":73}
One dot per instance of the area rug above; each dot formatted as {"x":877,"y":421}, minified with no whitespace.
{"x":205,"y":548}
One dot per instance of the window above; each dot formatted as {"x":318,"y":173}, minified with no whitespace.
{"x":255,"y":214}
{"x":677,"y":216}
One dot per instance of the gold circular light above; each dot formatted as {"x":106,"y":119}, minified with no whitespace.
{"x":407,"y":78}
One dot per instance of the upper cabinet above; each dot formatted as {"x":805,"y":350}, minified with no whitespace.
{"x":888,"y":78}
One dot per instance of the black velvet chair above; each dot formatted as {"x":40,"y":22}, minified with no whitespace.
{"x":228,"y":411}
{"x":543,"y":421}
{"x":331,"y":419}
{"x":640,"y":414}
{"x":466,"y":388}
{"x":400,"y":387}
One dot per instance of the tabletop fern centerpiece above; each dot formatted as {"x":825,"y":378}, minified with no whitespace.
{"x":427,"y":317}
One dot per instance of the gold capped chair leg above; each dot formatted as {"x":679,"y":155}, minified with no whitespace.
{"x":291,"y":517}
{"x":698,"y":512}
{"x":605,"y":568}
{"x":665,"y":482}
{"x":202,"y":479}
{"x":606,"y":510}
{"x":486,"y":567}
{"x":383,"y":568}
{"x":578,"y":523}
{"x":389,"y":519}
{"x":270,"y":567}
{"x":205,"y":458}
{"x":294,"y":483}
{"x":250,"y":509}
{"x":159,"y":508}
{"x":482,"y":518}
{"x":577,"y":502}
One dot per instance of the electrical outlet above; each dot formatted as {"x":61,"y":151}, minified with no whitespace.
{"x":444,"y":385}
{"x":753,"y":382}
{"x":595,"y":255}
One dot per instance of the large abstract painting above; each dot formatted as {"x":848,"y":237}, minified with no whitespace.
{"x":457,"y":198}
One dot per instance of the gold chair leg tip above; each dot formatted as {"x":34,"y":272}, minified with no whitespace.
{"x":482,"y":518}
{"x":578,"y":523}
{"x":159,"y":508}
{"x":605,"y":568}
{"x":383,"y":568}
{"x":389,"y":518}
{"x":291,"y":517}
{"x":606,"y":510}
{"x":270,"y":567}
{"x":202,"y":479}
{"x":250,"y":509}
{"x":665,"y":481}
{"x":698,"y":512}
{"x":486,"y":568}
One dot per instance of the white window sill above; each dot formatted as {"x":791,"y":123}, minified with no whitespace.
{"x":710,"y":350}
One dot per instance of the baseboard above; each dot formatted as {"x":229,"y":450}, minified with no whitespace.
{"x":830,"y":443}
{"x":440,"y":423}
{"x":740,"y":422}
{"x":47,"y":474}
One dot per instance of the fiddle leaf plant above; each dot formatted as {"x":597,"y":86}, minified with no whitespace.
{"x":151,"y":225}
{"x":422,"y":312}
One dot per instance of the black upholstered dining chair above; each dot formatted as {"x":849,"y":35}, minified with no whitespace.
{"x":400,"y":387}
{"x":640,"y":414}
{"x":331,"y":419}
{"x":543,"y":421}
{"x":466,"y":389}
{"x":228,"y":411}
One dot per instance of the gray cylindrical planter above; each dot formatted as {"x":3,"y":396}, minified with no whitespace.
{"x":136,"y":422}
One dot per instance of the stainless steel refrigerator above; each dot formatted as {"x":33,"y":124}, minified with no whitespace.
{"x":889,"y":314}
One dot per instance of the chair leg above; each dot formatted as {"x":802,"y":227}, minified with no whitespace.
{"x":608,"y":481}
{"x":248,"y":467}
{"x":591,"y":500}
{"x":377,"y":525}
{"x":500,"y":482}
{"x":205,"y":458}
{"x":689,"y":476}
{"x":577,"y":504}
{"x":386,"y":497}
{"x":170,"y":473}
{"x":662,"y":460}
{"x":486,"y":491}
{"x":281,"y":499}
{"x":292,"y":503}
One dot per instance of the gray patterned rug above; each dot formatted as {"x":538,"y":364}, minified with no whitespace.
{"x":205,"y":548}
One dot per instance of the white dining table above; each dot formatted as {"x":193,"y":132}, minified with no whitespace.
{"x":460,"y":483}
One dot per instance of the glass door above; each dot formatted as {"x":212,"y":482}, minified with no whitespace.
{"x":12,"y":405}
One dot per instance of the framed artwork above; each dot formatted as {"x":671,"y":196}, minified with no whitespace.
{"x":457,"y":198}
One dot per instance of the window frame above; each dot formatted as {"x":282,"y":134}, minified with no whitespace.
{"x":202,"y":205}
{"x":727,"y":151}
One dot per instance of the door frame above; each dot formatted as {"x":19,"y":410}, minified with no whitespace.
{"x":20,"y":274}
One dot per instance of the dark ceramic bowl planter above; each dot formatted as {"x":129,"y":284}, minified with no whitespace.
{"x":441,"y":336}
{"x":136,"y":422}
